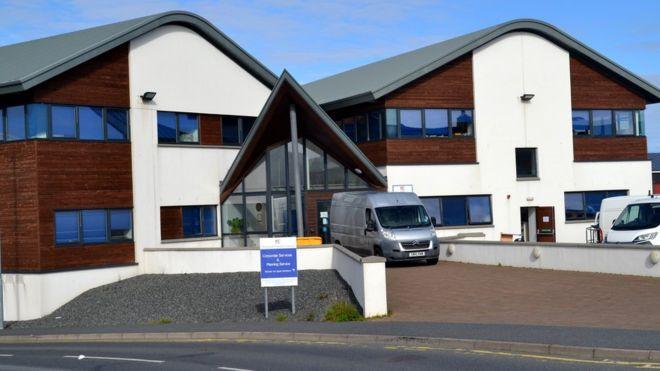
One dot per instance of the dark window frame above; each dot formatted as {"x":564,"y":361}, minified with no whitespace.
{"x":534,"y":171}
{"x":80,"y":243}
{"x":635,"y":117}
{"x":467,"y":210}
{"x":202,"y":219}
{"x":584,"y":203}
{"x":241,"y":135}
{"x":177,"y":141}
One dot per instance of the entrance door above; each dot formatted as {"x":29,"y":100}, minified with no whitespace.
{"x":545,"y":224}
{"x":323,"y":220}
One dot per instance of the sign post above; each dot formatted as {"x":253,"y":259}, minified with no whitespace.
{"x":279,"y":266}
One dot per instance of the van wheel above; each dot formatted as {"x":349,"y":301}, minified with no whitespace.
{"x":378,"y":251}
{"x":432,"y":261}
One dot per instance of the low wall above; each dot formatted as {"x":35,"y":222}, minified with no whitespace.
{"x":30,"y":296}
{"x":633,"y":260}
{"x":366,"y":276}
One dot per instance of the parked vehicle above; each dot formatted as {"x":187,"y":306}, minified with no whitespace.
{"x":638,"y":223}
{"x":610,"y":208}
{"x":394,"y":225}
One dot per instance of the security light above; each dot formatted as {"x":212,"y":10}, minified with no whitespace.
{"x":526,"y":97}
{"x":358,"y":171}
{"x":148,"y":96}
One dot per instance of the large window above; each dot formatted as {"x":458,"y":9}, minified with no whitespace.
{"x":604,"y":123}
{"x":437,"y":123}
{"x":235,"y":129}
{"x":93,"y":226}
{"x":585,"y":205}
{"x":176,"y":127}
{"x":454,"y":211}
{"x":410,"y":122}
{"x":199,"y":221}
{"x":56,"y":121}
{"x":526,"y":163}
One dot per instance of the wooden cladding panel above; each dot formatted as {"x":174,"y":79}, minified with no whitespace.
{"x":591,"y":88}
{"x":79,"y":175}
{"x":171,"y":220}
{"x":311,"y":212}
{"x":19,"y":206}
{"x":421,"y":151}
{"x":376,"y":151}
{"x":609,"y":149}
{"x":451,"y":86}
{"x":102,"y":81}
{"x":210,"y":129}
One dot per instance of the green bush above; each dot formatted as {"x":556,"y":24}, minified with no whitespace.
{"x":281,"y":317}
{"x":343,"y":312}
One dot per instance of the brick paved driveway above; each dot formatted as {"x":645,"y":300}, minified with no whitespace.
{"x":468,"y":293}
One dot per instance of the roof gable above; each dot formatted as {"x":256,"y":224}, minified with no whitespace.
{"x":24,"y":65}
{"x":373,"y":81}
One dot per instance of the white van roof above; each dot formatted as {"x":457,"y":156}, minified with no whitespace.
{"x":382,"y":199}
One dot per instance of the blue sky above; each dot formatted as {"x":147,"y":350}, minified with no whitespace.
{"x":313,"y":39}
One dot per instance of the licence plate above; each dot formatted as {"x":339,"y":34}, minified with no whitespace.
{"x":417,"y":253}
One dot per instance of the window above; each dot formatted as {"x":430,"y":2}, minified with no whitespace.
{"x":526,"y":163}
{"x":121,"y":224}
{"x":455,"y":211}
{"x":410,"y":123}
{"x":315,"y":167}
{"x":600,"y":123}
{"x":235,"y":129}
{"x":66,"y":227}
{"x":362,"y":131}
{"x":585,"y":205}
{"x":90,"y":121}
{"x":199,"y":221}
{"x":581,"y":124}
{"x":348,"y":125}
{"x":277,"y":158}
{"x":335,"y":174}
{"x":117,"y":124}
{"x":403,"y":216}
{"x":375,"y":124}
{"x":390,"y":123}
{"x":2,"y":125}
{"x":255,"y":214}
{"x":355,"y":182}
{"x":37,"y":120}
{"x":232,"y":215}
{"x":255,"y":181}
{"x":178,"y":127}
{"x":63,"y":121}
{"x":15,"y":123}
{"x":437,"y":123}
{"x":93,"y":226}
{"x":461,"y":122}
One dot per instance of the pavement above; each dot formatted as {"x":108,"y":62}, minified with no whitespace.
{"x":469,"y":293}
{"x":280,"y":355}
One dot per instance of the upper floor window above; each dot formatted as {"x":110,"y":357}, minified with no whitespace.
{"x":604,"y":123}
{"x":526,"y":163}
{"x":199,"y":221}
{"x":455,"y":211}
{"x":174,"y":127}
{"x":56,"y":121}
{"x":585,"y":205}
{"x":235,"y":129}
{"x":93,"y":226}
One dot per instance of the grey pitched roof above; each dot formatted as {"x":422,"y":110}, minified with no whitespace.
{"x":29,"y":63}
{"x":372,"y":81}
{"x":655,"y":161}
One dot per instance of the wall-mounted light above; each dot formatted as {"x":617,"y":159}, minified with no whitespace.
{"x":148,"y":96}
{"x":358,"y":171}
{"x":526,"y":97}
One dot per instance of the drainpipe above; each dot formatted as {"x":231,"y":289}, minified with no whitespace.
{"x":296,"y":168}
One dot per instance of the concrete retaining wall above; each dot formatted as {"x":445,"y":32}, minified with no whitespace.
{"x":603,"y":258}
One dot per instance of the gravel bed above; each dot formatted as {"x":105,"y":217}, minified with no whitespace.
{"x":197,"y":298}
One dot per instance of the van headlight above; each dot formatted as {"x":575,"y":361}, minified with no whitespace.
{"x":645,"y":237}
{"x":389,"y":234}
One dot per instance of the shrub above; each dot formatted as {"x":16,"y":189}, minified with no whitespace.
{"x":343,"y":312}
{"x":281,"y":317}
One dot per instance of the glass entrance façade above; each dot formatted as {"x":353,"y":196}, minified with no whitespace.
{"x":263,"y":204}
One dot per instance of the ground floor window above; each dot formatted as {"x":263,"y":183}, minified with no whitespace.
{"x":456,"y":211}
{"x":585,"y":205}
{"x":199,"y":221}
{"x":93,"y":226}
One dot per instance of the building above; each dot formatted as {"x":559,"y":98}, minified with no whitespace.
{"x":162,"y":132}
{"x":514,"y":129}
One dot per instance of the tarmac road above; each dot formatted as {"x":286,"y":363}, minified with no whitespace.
{"x":274,"y":355}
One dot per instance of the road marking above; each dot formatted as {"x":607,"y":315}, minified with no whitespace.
{"x":232,"y":369}
{"x":82,"y":356}
{"x":6,"y":355}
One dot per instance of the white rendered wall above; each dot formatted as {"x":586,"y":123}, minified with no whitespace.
{"x":503,"y":70}
{"x":30,"y":296}
{"x":188,"y":74}
{"x":611,"y":259}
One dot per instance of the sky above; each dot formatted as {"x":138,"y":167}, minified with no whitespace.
{"x":314,"y":39}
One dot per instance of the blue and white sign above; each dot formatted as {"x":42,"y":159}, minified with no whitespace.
{"x":279,"y":264}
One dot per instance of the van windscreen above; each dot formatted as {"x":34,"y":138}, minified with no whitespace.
{"x":638,"y":216}
{"x":411,"y":216}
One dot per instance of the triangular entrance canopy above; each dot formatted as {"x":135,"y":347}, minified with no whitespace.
{"x":272,"y":128}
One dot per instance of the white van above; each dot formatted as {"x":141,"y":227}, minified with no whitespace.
{"x":610,"y":208}
{"x":638,"y":223}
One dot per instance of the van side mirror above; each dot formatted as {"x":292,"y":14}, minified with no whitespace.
{"x":433,"y":220}
{"x":371,"y":226}
{"x":613,"y":221}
